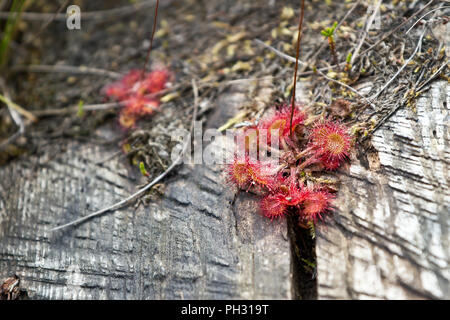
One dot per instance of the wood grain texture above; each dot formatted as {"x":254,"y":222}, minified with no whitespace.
{"x":390,"y":237}
{"x":191,"y":244}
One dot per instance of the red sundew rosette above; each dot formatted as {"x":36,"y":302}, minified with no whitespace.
{"x":264,"y":174}
{"x":316,"y":204}
{"x":136,"y":82}
{"x":276,"y":205}
{"x":140,"y":105}
{"x":281,"y":121}
{"x":249,"y":173}
{"x":132,"y":91}
{"x":272,"y":208}
{"x":134,"y":108}
{"x":157,"y":80}
{"x":238,"y":173}
{"x":331,"y":143}
{"x":121,"y":89}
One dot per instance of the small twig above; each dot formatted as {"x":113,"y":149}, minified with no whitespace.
{"x":279,"y":53}
{"x":391,"y":113}
{"x":97,"y":107}
{"x":13,"y":138}
{"x":419,"y":45}
{"x":115,"y":154}
{"x":110,"y":157}
{"x":155,"y":20}
{"x":116,"y":105}
{"x":347,"y":87}
{"x":395,"y":29}
{"x":92,"y":15}
{"x":380,"y":123}
{"x":37,"y":34}
{"x":67,"y":69}
{"x":440,"y":8}
{"x":148,"y":186}
{"x":366,"y":31}
{"x":433,"y":76}
{"x":69,"y":110}
{"x":290,"y":58}
{"x":228,"y":82}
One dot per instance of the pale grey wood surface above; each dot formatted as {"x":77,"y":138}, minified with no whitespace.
{"x":390,"y":237}
{"x":191,"y":244}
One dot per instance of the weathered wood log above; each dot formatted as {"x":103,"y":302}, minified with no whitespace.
{"x":194,"y":243}
{"x":390,"y":237}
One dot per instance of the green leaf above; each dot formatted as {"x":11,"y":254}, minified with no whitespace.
{"x":349,"y":57}
{"x":143,"y":170}
{"x":328,"y":32}
{"x":309,"y":263}
{"x":80,"y":112}
{"x":334,"y":26}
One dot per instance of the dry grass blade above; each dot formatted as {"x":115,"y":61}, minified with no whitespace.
{"x":18,"y":108}
{"x":67,"y":69}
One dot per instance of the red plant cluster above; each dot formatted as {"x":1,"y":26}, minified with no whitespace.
{"x":321,"y":145}
{"x":138,"y":92}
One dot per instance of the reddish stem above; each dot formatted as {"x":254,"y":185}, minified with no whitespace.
{"x":293,"y":174}
{"x":333,"y":51}
{"x":303,"y":153}
{"x":151,"y":40}
{"x":300,"y":24}
{"x":308,"y":162}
